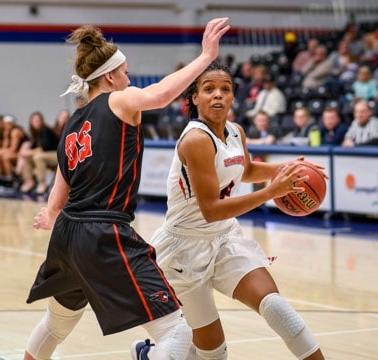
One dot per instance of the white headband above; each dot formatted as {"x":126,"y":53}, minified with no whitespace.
{"x":80,"y":86}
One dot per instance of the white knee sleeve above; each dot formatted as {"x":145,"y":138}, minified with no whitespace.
{"x":172,"y":335}
{"x":220,"y":353}
{"x":286,"y":322}
{"x":53,"y":328}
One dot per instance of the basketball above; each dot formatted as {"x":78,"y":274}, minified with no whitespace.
{"x":308,"y":201}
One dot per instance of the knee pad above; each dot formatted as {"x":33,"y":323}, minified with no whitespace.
{"x":172,"y":336}
{"x":287,"y":323}
{"x":220,"y":353}
{"x":53,"y":328}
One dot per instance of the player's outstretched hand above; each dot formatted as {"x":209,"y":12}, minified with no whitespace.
{"x":41,"y":220}
{"x":215,"y":29}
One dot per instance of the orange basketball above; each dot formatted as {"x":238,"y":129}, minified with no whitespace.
{"x":308,"y":201}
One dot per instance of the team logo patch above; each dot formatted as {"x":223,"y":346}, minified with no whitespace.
{"x":160,"y":296}
{"x":236,"y":160}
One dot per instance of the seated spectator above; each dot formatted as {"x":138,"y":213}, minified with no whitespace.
{"x":356,"y":47}
{"x":259,"y":73}
{"x":370,"y":54}
{"x":332,"y":129}
{"x":13,"y":138}
{"x":340,"y":58}
{"x":40,"y":155}
{"x":263,"y":132}
{"x":304,"y":57}
{"x":364,"y":128}
{"x":365,"y":87}
{"x":349,"y":72}
{"x":270,"y":100}
{"x":304,"y":124}
{"x":243,"y":83}
{"x":318,"y":70}
{"x":62,"y":119}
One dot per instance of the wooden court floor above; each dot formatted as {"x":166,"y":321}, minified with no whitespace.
{"x":331,"y":280}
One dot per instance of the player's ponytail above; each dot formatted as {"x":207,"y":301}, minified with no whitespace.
{"x":92,"y":50}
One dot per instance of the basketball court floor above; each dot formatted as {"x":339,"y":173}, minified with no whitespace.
{"x":330,"y":275}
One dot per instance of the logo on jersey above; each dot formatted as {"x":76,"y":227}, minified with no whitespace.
{"x":226,"y":192}
{"x":236,"y":160}
{"x":160,"y":296}
{"x":78,"y":146}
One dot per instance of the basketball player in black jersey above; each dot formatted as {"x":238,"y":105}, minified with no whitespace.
{"x":94,"y":254}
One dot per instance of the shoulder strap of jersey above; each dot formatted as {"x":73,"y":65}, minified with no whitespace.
{"x":197,"y":124}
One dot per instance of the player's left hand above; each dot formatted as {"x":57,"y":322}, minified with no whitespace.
{"x":318,"y":167}
{"x":41,"y":220}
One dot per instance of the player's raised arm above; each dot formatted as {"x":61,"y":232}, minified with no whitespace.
{"x":162,"y":93}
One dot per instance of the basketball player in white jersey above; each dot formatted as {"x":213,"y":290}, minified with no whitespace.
{"x":201,"y":246}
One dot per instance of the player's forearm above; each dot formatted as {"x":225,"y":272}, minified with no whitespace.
{"x":55,"y":204}
{"x":223,"y":209}
{"x":260,"y":171}
{"x":174,"y":84}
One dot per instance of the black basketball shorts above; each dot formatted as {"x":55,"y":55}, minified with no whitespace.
{"x":106,"y":263}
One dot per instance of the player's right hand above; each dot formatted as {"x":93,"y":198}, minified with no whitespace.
{"x":41,"y":220}
{"x":214,"y":30}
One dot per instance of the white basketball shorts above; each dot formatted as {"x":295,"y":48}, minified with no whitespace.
{"x":196,"y":263}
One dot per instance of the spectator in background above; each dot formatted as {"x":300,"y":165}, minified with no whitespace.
{"x":356,"y":47}
{"x":364,"y":128}
{"x":318,"y":70}
{"x":263,"y":132}
{"x":332,"y":129}
{"x":305,"y":57}
{"x":304,"y":124}
{"x":348,"y":73}
{"x":259,"y":74}
{"x":13,"y":138}
{"x":370,"y":53}
{"x":365,"y":87}
{"x":243,"y":83}
{"x":60,"y":121}
{"x":340,"y":58}
{"x":40,"y":155}
{"x":270,"y":99}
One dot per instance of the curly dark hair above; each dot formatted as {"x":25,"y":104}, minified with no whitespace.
{"x":192,"y":89}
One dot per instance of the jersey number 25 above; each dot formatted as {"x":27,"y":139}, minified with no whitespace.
{"x":78,"y":146}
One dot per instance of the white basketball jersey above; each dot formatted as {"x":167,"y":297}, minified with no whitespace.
{"x":183,"y":210}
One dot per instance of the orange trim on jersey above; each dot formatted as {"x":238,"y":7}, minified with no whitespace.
{"x":134,"y":172}
{"x":131,"y":274}
{"x":163,"y":277}
{"x":120,"y":165}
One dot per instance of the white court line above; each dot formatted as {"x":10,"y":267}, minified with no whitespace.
{"x":324,"y":306}
{"x":329,"y":307}
{"x":326,"y":333}
{"x":21,"y":252}
{"x":267,"y":338}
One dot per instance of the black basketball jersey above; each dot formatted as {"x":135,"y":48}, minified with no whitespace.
{"x":100,"y":157}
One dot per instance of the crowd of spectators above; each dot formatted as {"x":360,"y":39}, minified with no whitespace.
{"x":26,"y":155}
{"x":322,"y":91}
{"x":317,"y":92}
